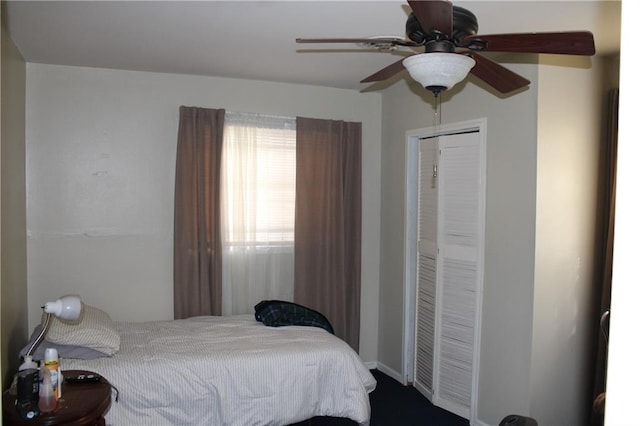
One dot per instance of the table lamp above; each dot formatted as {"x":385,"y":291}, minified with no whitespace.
{"x":66,"y":308}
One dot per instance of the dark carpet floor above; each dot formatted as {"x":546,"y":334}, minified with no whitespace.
{"x":393,"y":404}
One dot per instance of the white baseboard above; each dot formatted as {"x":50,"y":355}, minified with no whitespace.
{"x":371,"y":365}
{"x":390,"y":372}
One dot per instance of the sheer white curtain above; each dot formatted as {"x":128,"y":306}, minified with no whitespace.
{"x":258,"y":208}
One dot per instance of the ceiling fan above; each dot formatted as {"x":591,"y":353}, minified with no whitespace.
{"x":452,"y":48}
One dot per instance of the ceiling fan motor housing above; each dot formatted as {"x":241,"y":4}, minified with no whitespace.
{"x":441,"y":46}
{"x":465,"y":24}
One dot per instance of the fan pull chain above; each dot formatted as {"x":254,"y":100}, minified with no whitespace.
{"x":437,"y":119}
{"x":437,"y":112}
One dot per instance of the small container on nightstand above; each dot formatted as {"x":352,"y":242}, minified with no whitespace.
{"x":83,"y":403}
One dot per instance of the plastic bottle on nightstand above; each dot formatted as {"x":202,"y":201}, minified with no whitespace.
{"x":47,"y":401}
{"x":51,"y":363}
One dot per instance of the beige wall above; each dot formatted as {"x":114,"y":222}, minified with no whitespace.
{"x":570,"y":129}
{"x":542,"y":171}
{"x":13,"y":284}
{"x":510,"y":227}
{"x":100,"y":177}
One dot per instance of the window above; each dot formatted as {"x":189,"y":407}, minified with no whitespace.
{"x":258,"y":209}
{"x":259,"y":169}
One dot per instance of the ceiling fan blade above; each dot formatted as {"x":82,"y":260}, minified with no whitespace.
{"x":434,"y":15}
{"x":385,"y":73}
{"x":567,"y":43}
{"x":372,"y":40}
{"x":497,"y":76}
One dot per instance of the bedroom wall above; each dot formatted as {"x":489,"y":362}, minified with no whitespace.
{"x":510,"y":230}
{"x":100,"y":178}
{"x":572,"y":94}
{"x":13,"y":243}
{"x":542,"y":171}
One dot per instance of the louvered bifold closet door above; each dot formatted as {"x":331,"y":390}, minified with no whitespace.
{"x":459,"y":245}
{"x":426,"y":273}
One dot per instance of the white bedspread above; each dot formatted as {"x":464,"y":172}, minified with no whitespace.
{"x":230,"y":371}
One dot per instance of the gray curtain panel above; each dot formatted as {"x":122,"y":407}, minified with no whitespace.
{"x":197,"y":259}
{"x":328,"y":222}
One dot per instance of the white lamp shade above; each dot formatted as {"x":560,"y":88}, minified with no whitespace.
{"x":437,"y":69}
{"x":66,"y":308}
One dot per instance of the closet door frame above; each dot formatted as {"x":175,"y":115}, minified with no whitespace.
{"x":411,"y":234}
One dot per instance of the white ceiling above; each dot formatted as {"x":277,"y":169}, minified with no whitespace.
{"x":256,"y":39}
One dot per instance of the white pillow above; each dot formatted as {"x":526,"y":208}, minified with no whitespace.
{"x":94,"y":329}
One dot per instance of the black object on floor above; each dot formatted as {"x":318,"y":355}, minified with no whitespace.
{"x":393,"y":404}
{"x":516,"y":420}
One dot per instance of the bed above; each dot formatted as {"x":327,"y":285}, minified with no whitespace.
{"x":231,"y":370}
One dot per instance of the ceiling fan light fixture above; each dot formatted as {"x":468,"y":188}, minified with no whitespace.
{"x":438,"y":71}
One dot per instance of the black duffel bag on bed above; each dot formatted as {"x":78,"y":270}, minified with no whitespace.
{"x":278,"y":313}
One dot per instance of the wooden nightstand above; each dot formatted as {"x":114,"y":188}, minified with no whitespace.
{"x":82,"y":404}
